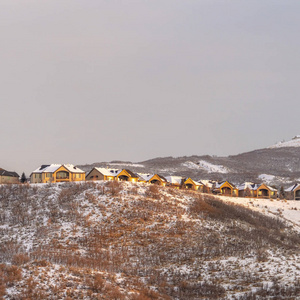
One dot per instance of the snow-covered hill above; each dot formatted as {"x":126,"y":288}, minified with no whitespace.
{"x":111,"y":240}
{"x":294,"y":142}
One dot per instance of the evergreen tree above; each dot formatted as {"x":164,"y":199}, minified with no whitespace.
{"x":23,"y":178}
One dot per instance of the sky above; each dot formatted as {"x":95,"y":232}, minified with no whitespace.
{"x":86,"y":81}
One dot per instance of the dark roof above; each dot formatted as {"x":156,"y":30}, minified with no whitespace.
{"x":8,"y":173}
{"x":131,"y":173}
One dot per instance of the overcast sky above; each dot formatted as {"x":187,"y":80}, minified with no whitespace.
{"x":84,"y":81}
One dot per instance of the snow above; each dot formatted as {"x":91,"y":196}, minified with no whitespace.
{"x":126,"y":164}
{"x":108,"y":172}
{"x":295,"y":142}
{"x":266,"y":177}
{"x":174,"y":179}
{"x":53,"y":167}
{"x":206,"y":166}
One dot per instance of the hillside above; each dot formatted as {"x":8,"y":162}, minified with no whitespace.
{"x":119,"y":240}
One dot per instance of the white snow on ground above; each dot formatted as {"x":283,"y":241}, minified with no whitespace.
{"x":288,"y":210}
{"x":204,"y":165}
{"x":295,"y":142}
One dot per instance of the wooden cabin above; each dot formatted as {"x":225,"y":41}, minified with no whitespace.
{"x":152,"y":178}
{"x":8,"y":177}
{"x":293,"y":192}
{"x":225,"y":188}
{"x":190,"y":184}
{"x":102,"y":174}
{"x":256,"y":190}
{"x":207,"y":185}
{"x":57,"y":173}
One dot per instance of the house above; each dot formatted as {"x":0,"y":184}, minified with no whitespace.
{"x":225,"y":188}
{"x":57,"y":173}
{"x":207,"y":185}
{"x":152,"y":178}
{"x":8,"y":177}
{"x":248,"y":189}
{"x":265,"y":191}
{"x":102,"y":174}
{"x":175,"y":181}
{"x":127,"y":175}
{"x":189,"y":183}
{"x":294,"y":191}
{"x":257,"y":190}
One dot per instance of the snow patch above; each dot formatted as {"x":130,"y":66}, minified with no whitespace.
{"x":206,"y":166}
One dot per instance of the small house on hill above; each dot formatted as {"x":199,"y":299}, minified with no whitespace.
{"x":57,"y":173}
{"x":190,"y":184}
{"x":294,"y":191}
{"x":207,"y":185}
{"x":8,"y":177}
{"x":175,"y":181}
{"x":249,"y":189}
{"x":265,"y":191}
{"x":152,"y":178}
{"x":102,"y":174}
{"x":127,"y":175}
{"x":225,"y":188}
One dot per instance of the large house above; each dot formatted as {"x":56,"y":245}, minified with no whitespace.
{"x":175,"y":181}
{"x":57,"y":173}
{"x":8,"y":177}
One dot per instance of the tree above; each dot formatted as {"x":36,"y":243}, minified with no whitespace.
{"x":23,"y":178}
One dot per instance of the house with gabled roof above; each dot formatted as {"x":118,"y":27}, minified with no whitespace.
{"x":225,"y":188}
{"x":294,"y":191}
{"x":152,"y":178}
{"x":102,"y":174}
{"x":207,"y":185}
{"x":175,"y":181}
{"x":257,"y":190}
{"x":127,"y":175}
{"x":265,"y":191}
{"x":8,"y":177}
{"x":57,"y":173}
{"x":191,"y":184}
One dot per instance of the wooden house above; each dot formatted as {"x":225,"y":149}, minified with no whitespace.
{"x":57,"y":173}
{"x":207,"y":185}
{"x":175,"y":181}
{"x":127,"y":175}
{"x":265,"y":191}
{"x":152,"y":178}
{"x":225,"y":188}
{"x":102,"y":174}
{"x":190,"y":184}
{"x":8,"y":177}
{"x":293,"y":191}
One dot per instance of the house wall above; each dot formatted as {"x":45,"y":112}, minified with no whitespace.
{"x":92,"y":175}
{"x":8,"y":179}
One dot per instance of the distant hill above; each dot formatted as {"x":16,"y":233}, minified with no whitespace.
{"x":277,"y":165}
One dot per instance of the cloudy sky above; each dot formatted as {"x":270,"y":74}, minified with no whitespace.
{"x":84,"y":81}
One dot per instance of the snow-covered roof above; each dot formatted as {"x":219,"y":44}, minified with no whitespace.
{"x":293,"y":187}
{"x":248,"y":185}
{"x":53,"y":167}
{"x":195,"y":182}
{"x":174,"y":179}
{"x":208,"y":183}
{"x":145,"y":177}
{"x":108,"y":172}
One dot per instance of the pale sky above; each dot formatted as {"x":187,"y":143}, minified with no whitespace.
{"x":84,"y":81}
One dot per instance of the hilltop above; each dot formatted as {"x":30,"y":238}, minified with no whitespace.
{"x":277,"y":165}
{"x":121,"y":240}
